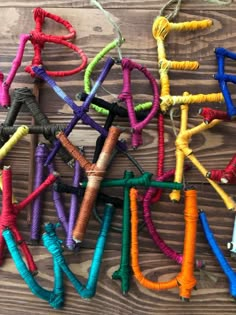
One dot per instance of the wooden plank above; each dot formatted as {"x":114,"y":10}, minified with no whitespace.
{"x":208,"y":299}
{"x":214,"y":148}
{"x":108,"y":4}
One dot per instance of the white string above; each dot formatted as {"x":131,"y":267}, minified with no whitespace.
{"x":220,"y":2}
{"x":116,"y":28}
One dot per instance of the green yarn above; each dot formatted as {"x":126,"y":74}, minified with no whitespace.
{"x":124,"y":271}
{"x":142,"y":180}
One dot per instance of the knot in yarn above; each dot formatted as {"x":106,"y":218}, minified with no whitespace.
{"x":127,"y":64}
{"x":37,"y":38}
{"x":39,"y":15}
{"x":161,"y":27}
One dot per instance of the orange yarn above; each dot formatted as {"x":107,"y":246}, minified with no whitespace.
{"x":185,"y":280}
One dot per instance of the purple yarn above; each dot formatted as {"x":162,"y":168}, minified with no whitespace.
{"x":73,"y":207}
{"x":79,"y":111}
{"x":169,"y":252}
{"x":41,"y":153}
{"x":59,"y":204}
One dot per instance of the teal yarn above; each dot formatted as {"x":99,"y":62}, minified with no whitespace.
{"x":56,"y":297}
{"x":53,"y":245}
{"x":124,"y":272}
{"x":142,"y":180}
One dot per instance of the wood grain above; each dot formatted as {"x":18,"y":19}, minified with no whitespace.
{"x":214,"y":148}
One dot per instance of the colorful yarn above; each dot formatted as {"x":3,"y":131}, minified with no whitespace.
{"x":126,"y":95}
{"x":113,"y":110}
{"x":53,"y":245}
{"x":142,"y":180}
{"x":210,"y":114}
{"x":91,"y":66}
{"x":95,"y":174}
{"x":67,"y":223}
{"x":41,"y":153}
{"x":17,"y":136}
{"x":123,"y":273}
{"x":185,"y":280}
{"x":182,"y":145}
{"x":79,"y":112}
{"x":228,"y":271}
{"x":10,"y":211}
{"x":74,"y":205}
{"x":153,"y":232}
{"x":61,"y":187}
{"x":223,"y":79}
{"x":56,"y":297}
{"x":29,"y":100}
{"x":38,"y":39}
{"x":161,"y":28}
{"x":225,"y":176}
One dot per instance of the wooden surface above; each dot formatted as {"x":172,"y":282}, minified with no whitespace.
{"x":214,"y":148}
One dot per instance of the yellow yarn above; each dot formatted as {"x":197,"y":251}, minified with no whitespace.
{"x":160,"y":29}
{"x":182,"y":145}
{"x":191,"y":26}
{"x":20,"y":133}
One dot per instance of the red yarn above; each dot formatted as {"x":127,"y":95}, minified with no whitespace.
{"x":210,"y":114}
{"x":38,"y":39}
{"x":10,"y":211}
{"x":227,"y":175}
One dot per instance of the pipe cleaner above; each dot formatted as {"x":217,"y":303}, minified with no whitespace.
{"x":160,"y":29}
{"x":53,"y":245}
{"x":183,"y":149}
{"x":55,"y":297}
{"x":223,"y":79}
{"x":10,"y":211}
{"x":95,"y":174}
{"x":38,"y":39}
{"x":185,"y":280}
{"x":79,"y":112}
{"x":228,"y":271}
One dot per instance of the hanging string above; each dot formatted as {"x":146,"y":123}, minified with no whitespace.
{"x":174,"y":112}
{"x":174,"y":13}
{"x":220,"y":2}
{"x":116,"y":28}
{"x":176,"y":10}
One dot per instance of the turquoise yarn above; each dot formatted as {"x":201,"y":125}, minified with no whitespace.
{"x":53,"y":245}
{"x":56,"y":297}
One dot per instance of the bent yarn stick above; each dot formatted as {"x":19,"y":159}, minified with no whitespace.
{"x":53,"y":245}
{"x":185,"y":280}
